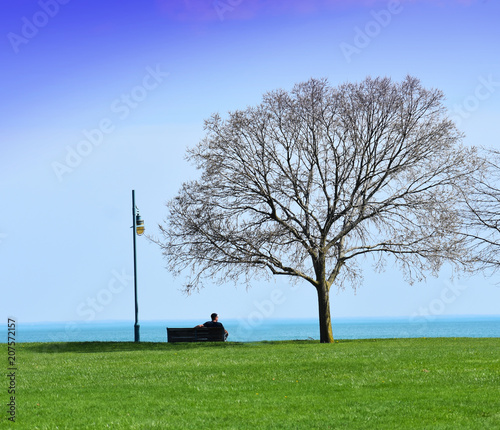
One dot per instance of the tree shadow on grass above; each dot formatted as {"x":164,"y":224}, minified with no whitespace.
{"x":97,"y":347}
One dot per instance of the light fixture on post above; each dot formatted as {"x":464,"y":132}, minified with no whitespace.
{"x":137,"y":228}
{"x":139,"y":224}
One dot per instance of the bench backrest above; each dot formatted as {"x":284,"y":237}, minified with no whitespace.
{"x":196,"y":334}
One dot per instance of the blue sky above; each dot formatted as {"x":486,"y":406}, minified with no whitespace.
{"x":102,"y":98}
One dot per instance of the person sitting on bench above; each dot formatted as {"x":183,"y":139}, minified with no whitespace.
{"x":215,"y":323}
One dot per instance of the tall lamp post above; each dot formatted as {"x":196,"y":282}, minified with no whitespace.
{"x":137,"y":229}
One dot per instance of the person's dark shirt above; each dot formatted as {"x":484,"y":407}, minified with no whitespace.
{"x":213,"y":324}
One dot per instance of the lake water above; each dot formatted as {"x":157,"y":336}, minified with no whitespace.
{"x":251,"y":331}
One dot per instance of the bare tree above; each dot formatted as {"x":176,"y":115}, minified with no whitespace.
{"x":483,"y":213}
{"x":311,"y":181}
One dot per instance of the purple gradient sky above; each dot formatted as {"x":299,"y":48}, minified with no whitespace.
{"x":67,"y":67}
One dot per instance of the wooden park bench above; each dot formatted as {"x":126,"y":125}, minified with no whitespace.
{"x":196,"y":334}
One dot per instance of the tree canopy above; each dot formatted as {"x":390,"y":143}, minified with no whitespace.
{"x":482,"y":204}
{"x":309,"y":182}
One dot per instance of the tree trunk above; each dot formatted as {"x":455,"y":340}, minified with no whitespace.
{"x":325,"y":321}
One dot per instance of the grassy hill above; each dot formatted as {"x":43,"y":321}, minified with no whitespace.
{"x":363,"y":384}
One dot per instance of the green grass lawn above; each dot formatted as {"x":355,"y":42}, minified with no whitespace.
{"x":363,"y":384}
